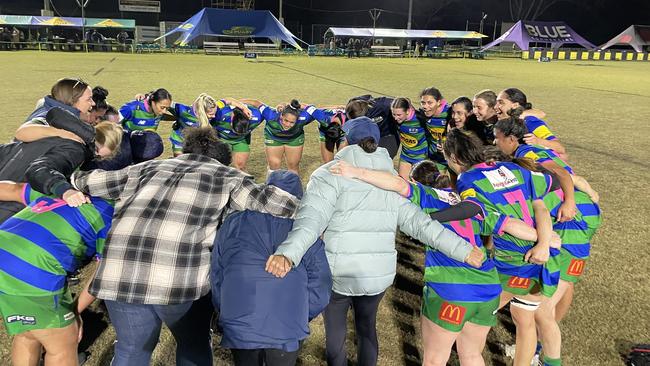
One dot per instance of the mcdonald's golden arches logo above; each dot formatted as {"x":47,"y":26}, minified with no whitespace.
{"x":519,"y":282}
{"x":451,"y":313}
{"x":576,"y":267}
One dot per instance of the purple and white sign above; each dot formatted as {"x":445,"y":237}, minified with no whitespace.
{"x":555,"y":33}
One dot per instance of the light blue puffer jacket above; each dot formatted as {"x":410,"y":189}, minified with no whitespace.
{"x":358,"y":222}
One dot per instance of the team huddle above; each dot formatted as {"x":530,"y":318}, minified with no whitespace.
{"x":482,"y":183}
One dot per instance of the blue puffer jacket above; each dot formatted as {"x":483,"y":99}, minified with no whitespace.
{"x":256,"y":309}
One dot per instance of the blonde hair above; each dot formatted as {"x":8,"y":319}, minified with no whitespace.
{"x":201,"y":105}
{"x":109,"y":135}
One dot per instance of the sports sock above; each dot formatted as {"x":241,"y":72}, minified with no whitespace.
{"x":552,"y":361}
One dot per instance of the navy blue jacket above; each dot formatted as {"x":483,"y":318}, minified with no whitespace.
{"x":49,"y":103}
{"x":257,"y":310}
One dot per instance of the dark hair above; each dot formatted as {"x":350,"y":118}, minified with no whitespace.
{"x":204,"y":141}
{"x":292,"y":108}
{"x":401,"y":103}
{"x":517,"y":96}
{"x":99,"y":97}
{"x":368,"y":145}
{"x":434,"y":92}
{"x":488,"y":96}
{"x":466,"y":148}
{"x":111,"y":111}
{"x":512,"y":126}
{"x":493,"y":155}
{"x":158,"y":95}
{"x":465,"y":101}
{"x":442,"y":181}
{"x":68,"y":91}
{"x":356,"y":108}
{"x":240,"y":122}
{"x":425,"y":172}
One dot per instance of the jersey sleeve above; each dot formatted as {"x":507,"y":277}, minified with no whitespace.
{"x":539,"y":128}
{"x":268,"y":113}
{"x":493,"y":223}
{"x":540,"y":184}
{"x":471,"y":193}
{"x":126,"y":113}
{"x":322,"y":116}
{"x":30,"y":195}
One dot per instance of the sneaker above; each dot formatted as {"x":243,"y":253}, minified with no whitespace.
{"x":536,"y":361}
{"x":509,"y":350}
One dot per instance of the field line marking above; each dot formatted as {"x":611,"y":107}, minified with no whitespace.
{"x":613,"y":91}
{"x":332,"y":80}
{"x":622,"y":158}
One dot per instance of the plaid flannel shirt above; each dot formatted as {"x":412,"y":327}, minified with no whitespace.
{"x":166,"y":217}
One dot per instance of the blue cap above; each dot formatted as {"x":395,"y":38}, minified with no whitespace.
{"x":287,"y":181}
{"x":360,"y":128}
{"x":145,"y":145}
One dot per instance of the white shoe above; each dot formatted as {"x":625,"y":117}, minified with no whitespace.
{"x":509,"y":350}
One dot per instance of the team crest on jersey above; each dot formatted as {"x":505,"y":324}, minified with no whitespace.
{"x":501,"y":178}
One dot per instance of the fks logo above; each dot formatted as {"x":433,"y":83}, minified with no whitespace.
{"x":519,"y":282}
{"x":576,"y":267}
{"x":25,"y":319}
{"x":451,"y":313}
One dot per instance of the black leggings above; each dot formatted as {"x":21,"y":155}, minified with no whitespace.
{"x":365,"y":319}
{"x":261,"y":357}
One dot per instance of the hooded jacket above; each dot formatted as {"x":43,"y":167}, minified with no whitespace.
{"x":257,"y":310}
{"x":358,"y":222}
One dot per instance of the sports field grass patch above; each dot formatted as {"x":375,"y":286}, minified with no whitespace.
{"x":600,"y":112}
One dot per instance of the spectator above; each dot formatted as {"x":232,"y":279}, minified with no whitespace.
{"x":358,"y":224}
{"x":263,"y":319}
{"x":350,"y":47}
{"x":160,"y":272}
{"x":357,"y":47}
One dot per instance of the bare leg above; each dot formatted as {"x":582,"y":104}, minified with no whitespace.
{"x":437,"y":342}
{"x":564,"y":303}
{"x":325,"y":155}
{"x":293,"y":154}
{"x":60,"y":345}
{"x":239,"y":160}
{"x":25,"y":350}
{"x":470,"y":344}
{"x":549,"y":331}
{"x":274,"y":156}
{"x":526,"y":338}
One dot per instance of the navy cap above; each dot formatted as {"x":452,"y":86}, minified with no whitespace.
{"x":360,"y":128}
{"x":145,"y":145}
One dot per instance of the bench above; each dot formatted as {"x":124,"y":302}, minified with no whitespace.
{"x":221,"y":48}
{"x":386,"y":51}
{"x":262,"y":48}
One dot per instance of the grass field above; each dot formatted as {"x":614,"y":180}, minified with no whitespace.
{"x":600,"y":111}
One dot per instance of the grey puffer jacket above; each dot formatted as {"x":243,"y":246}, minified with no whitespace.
{"x":358,"y":222}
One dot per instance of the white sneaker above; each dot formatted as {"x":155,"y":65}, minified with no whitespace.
{"x":509,"y":350}
{"x":536,"y":361}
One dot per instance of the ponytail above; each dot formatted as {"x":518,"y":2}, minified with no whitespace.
{"x":293,"y":108}
{"x":202,"y":104}
{"x":517,"y":96}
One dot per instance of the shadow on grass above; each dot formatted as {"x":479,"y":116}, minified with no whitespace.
{"x":94,"y":325}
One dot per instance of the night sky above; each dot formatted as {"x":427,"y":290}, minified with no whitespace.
{"x":596,"y":20}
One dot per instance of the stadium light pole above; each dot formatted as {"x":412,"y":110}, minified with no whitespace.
{"x":281,"y":18}
{"x":408,"y":23}
{"x":480,"y":28}
{"x":374,"y":14}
